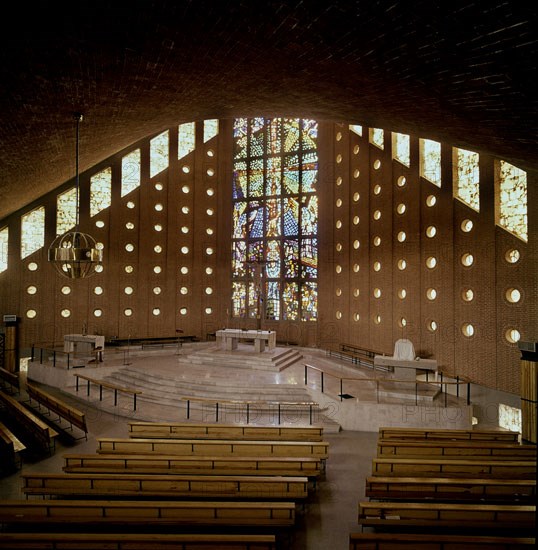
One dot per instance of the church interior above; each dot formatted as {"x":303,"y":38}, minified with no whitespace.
{"x":269,"y":219}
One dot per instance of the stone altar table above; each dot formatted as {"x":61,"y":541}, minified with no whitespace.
{"x":83,"y":343}
{"x":229,"y":337}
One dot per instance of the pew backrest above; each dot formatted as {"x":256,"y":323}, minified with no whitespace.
{"x":213,"y":447}
{"x":443,"y":467}
{"x":177,"y":486}
{"x":443,"y":434}
{"x":189,"y":430}
{"x":478,"y":450}
{"x":177,"y":464}
{"x":516,"y":491}
{"x":71,"y":414}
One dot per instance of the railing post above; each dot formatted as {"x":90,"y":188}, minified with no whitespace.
{"x":416,"y":393}
{"x":217,"y":411}
{"x":306,"y":375}
{"x":134,"y":402}
{"x":322,"y":381}
{"x":248,"y":412}
{"x":77,"y":383}
{"x":40,"y":356}
{"x":446,"y":395}
{"x":458,"y":385}
{"x":188,"y":408}
{"x":68,"y":361}
{"x":54,"y":358}
{"x":341,"y":389}
{"x":279,"y":414}
{"x":441,"y":382}
{"x":33,"y":353}
{"x":468,"y":393}
{"x":88,"y":389}
{"x":115,"y":397}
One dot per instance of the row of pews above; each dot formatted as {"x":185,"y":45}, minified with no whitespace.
{"x":206,"y":485}
{"x":427,"y":483}
{"x":36,"y":419}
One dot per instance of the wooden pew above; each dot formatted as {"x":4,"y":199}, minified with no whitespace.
{"x":437,"y":515}
{"x":189,"y":430}
{"x":447,"y":467}
{"x":135,"y":541}
{"x":176,"y":464}
{"x":477,"y":450}
{"x":521,"y":491}
{"x":433,"y":433}
{"x":63,"y":410}
{"x":10,"y":448}
{"x":212,"y":447}
{"x":38,"y":430}
{"x":176,"y":486}
{"x":149,"y":513}
{"x":390,"y":541}
{"x":10,"y":381}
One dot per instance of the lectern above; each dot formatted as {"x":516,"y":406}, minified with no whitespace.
{"x":529,"y":384}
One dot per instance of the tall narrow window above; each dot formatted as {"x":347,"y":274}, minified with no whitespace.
{"x":158,"y":154}
{"x":130,"y":172}
{"x":377,"y":137}
{"x":511,"y":199}
{"x":32,"y":231}
{"x":186,"y":139}
{"x":430,"y":161}
{"x":100,"y":191}
{"x":4,"y":236}
{"x":466,"y":176}
{"x":211,"y":129}
{"x":401,"y":149}
{"x":275,"y":219}
{"x":357,"y":128}
{"x":66,"y":211}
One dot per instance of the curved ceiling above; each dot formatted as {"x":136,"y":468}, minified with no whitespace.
{"x":461,"y":72}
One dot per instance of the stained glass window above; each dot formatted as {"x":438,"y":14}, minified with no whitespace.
{"x":186,"y":139}
{"x":130,"y":172}
{"x":100,"y":191}
{"x":32,"y":231}
{"x":430,"y":161}
{"x":401,"y":148}
{"x":66,"y":211}
{"x":466,"y":177}
{"x":511,"y":204}
{"x":211,"y":129}
{"x":377,"y":137}
{"x":275,"y":219}
{"x":4,"y":236}
{"x":158,"y":154}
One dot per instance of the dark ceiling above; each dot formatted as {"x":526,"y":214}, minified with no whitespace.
{"x":461,"y":72}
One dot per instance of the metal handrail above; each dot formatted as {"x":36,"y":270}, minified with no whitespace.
{"x":460,"y":380}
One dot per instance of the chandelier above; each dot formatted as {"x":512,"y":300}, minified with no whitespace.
{"x":74,"y":254}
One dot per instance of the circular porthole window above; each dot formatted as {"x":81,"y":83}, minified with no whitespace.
{"x":512,"y":256}
{"x":467,"y":295}
{"x":31,"y":314}
{"x":467,"y":330}
{"x":65,"y":313}
{"x":467,"y":260}
{"x":512,"y":335}
{"x":513,"y":295}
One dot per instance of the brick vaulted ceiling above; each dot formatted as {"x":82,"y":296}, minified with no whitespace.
{"x":461,"y":72}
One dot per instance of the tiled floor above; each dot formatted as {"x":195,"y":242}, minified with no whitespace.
{"x":331,"y":512}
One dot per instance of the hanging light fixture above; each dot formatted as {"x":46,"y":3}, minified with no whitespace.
{"x":74,"y":254}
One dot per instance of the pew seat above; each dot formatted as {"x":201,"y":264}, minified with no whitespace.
{"x":444,"y":434}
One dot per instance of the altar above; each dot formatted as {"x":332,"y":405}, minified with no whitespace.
{"x":228,"y":338}
{"x":404,"y":363}
{"x":83,"y":343}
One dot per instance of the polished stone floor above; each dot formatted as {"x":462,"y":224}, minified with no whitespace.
{"x":330,"y":513}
